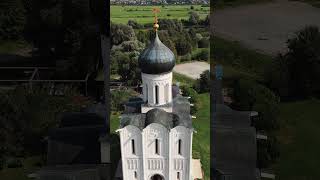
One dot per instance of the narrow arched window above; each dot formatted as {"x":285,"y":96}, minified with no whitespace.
{"x":133,"y":147}
{"x":157,"y":146}
{"x":147,"y":93}
{"x":178,"y":175}
{"x":157,"y":94}
{"x":179,"y":146}
{"x":167,"y":92}
{"x":135,"y":175}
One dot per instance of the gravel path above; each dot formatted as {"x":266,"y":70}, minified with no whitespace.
{"x":192,"y":69}
{"x":266,"y":26}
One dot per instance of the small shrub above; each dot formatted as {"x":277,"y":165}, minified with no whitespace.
{"x":202,"y":84}
{"x":14,"y":163}
{"x":203,"y":43}
{"x":185,"y":58}
{"x":190,"y":92}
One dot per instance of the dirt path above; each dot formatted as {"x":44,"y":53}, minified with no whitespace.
{"x":192,"y":69}
{"x":266,"y":26}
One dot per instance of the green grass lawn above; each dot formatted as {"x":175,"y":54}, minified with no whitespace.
{"x":143,"y":14}
{"x":238,"y":59}
{"x":22,"y":172}
{"x":201,"y":139}
{"x":299,"y":141}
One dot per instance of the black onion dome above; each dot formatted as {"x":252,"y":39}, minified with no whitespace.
{"x":156,"y":58}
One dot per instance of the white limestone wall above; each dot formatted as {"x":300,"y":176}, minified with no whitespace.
{"x":131,"y":163}
{"x":180,"y":162}
{"x":164,"y":83}
{"x":155,"y":163}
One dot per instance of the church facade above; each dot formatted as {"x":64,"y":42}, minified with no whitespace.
{"x":156,"y":137}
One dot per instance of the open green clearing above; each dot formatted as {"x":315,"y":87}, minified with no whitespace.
{"x":144,"y":15}
{"x":299,"y":141}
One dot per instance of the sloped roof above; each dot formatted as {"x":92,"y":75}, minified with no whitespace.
{"x":179,"y":117}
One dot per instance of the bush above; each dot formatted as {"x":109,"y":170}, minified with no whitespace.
{"x":194,"y":109}
{"x":203,"y":43}
{"x":194,"y":18}
{"x":12,"y":19}
{"x":268,"y":152}
{"x":203,"y":55}
{"x":202,"y":84}
{"x":135,"y":25}
{"x":250,"y":96}
{"x":183,"y":47}
{"x":185,"y":58}
{"x":190,"y":92}
{"x":14,"y":163}
{"x":303,"y":60}
{"x":118,"y":98}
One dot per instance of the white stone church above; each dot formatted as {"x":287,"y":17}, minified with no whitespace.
{"x":156,"y":129}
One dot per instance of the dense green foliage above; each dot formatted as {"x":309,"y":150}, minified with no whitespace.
{"x":26,"y":117}
{"x":250,"y":96}
{"x":119,"y":97}
{"x":12,"y":19}
{"x":295,"y":74}
{"x":203,"y":84}
{"x":303,"y":61}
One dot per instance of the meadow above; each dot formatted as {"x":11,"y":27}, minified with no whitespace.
{"x":144,"y":15}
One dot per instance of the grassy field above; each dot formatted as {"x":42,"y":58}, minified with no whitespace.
{"x":143,"y":14}
{"x":21,"y":173}
{"x":299,"y":141}
{"x":238,"y":60}
{"x":201,"y":139}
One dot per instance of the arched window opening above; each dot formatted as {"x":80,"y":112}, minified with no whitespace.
{"x":147,"y":93}
{"x":178,"y":175}
{"x":157,"y":94}
{"x":167,"y":92}
{"x":135,"y":175}
{"x":179,"y":146}
{"x":157,"y":146}
{"x":133,"y":147}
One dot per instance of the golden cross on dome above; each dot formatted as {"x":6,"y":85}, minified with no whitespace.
{"x":155,"y":11}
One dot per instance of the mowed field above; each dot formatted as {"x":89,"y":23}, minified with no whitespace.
{"x":299,"y":141}
{"x":144,"y":15}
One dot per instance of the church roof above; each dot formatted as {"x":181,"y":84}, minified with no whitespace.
{"x":156,"y":58}
{"x":179,"y":117}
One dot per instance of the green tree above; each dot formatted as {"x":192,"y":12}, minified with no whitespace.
{"x":120,"y":33}
{"x":194,"y":18}
{"x":250,"y":96}
{"x":183,"y":47}
{"x":202,"y":84}
{"x":12,"y":19}
{"x":303,"y":60}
